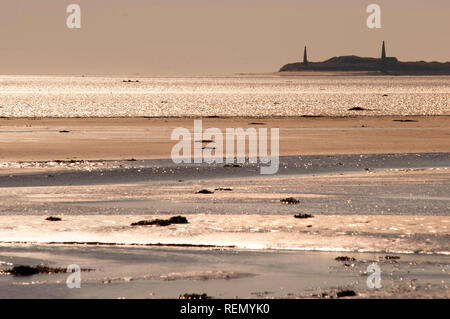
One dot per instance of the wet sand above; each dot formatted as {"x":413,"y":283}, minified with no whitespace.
{"x":375,"y":186}
{"x":149,"y":138}
{"x":142,"y":272}
{"x":383,"y":210}
{"x":404,"y":234}
{"x":350,"y":184}
{"x":253,"y":245}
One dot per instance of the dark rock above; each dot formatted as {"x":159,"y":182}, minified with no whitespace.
{"x":223,"y":189}
{"x":64,"y":131}
{"x":162,"y":222}
{"x":232,"y":165}
{"x":66,"y":161}
{"x":345,"y":258}
{"x":289,"y":200}
{"x":311,"y":116}
{"x":303,"y":216}
{"x":53,"y":219}
{"x":178,"y":220}
{"x":194,"y":296}
{"x":23,"y":271}
{"x":204,"y":191}
{"x":357,"y":108}
{"x":345,"y":293}
{"x":405,"y":121}
{"x":391,"y":257}
{"x":204,"y":141}
{"x":158,"y":222}
{"x":256,"y":123}
{"x":339,"y":294}
{"x":29,"y":270}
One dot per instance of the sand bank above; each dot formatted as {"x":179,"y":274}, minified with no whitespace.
{"x":149,"y":138}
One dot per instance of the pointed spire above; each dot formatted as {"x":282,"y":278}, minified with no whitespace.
{"x":383,"y":52}
{"x":305,"y":57}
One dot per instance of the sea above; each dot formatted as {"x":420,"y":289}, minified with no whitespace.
{"x":247,"y":95}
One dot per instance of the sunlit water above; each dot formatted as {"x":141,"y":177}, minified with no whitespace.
{"x":39,"y":96}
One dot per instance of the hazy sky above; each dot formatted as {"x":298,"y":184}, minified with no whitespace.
{"x":211,"y":37}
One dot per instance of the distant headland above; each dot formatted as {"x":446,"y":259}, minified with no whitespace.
{"x":384,"y":65}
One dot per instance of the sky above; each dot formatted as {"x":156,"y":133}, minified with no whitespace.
{"x":211,"y":37}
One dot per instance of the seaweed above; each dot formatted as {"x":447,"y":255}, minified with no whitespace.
{"x":289,"y":200}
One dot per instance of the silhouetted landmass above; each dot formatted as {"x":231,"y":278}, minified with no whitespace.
{"x":390,"y":66}
{"x":383,"y":65}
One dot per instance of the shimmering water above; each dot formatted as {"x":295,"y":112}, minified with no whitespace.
{"x":40,"y":96}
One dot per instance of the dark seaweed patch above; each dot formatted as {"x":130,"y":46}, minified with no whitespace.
{"x":162,"y":222}
{"x":289,"y":200}
{"x":194,"y":296}
{"x":204,"y":191}
{"x":303,"y":216}
{"x":53,"y":219}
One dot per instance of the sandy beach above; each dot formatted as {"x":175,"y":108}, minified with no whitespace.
{"x":40,"y":139}
{"x":224,"y":150}
{"x":363,"y":164}
{"x":371,"y":186}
